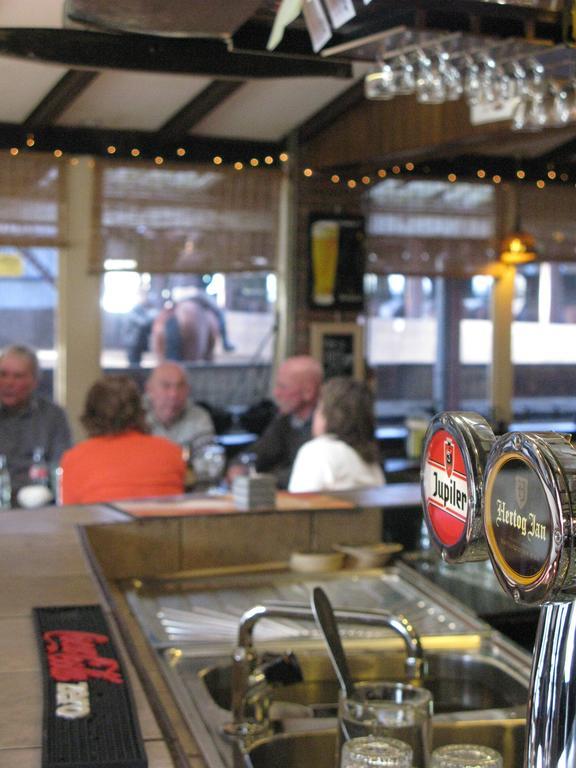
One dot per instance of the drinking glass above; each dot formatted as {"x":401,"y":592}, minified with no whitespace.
{"x":209,"y":463}
{"x":370,"y":752}
{"x":391,"y":710}
{"x":465,"y":756}
{"x":404,"y":76}
{"x":471,"y":80}
{"x":559,"y":109}
{"x":430,"y":86}
{"x":380,"y":84}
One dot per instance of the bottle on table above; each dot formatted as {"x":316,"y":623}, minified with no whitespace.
{"x":5,"y":484}
{"x":39,"y":473}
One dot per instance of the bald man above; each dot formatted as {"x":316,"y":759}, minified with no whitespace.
{"x":296,"y":391}
{"x":170,"y":411}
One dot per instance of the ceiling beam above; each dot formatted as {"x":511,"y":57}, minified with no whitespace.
{"x":191,"y":114}
{"x":59,"y":98}
{"x":146,"y":53}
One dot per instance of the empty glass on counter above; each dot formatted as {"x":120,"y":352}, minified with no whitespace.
{"x":209,"y":463}
{"x":389,"y":710}
{"x":465,"y":756}
{"x":370,"y":752}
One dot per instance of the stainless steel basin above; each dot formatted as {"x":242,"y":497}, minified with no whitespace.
{"x":317,"y":749}
{"x":458,"y":682}
{"x":479,"y":681}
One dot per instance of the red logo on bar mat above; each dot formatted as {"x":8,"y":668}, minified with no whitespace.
{"x":73,"y":657}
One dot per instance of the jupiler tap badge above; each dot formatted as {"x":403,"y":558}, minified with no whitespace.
{"x":446,"y":488}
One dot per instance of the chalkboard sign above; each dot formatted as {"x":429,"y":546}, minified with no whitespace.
{"x":339,"y":348}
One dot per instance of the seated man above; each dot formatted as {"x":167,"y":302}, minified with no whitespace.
{"x":27,"y":421}
{"x":170,"y":412}
{"x":296,"y":393}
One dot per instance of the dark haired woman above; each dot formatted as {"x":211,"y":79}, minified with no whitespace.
{"x":343,"y":454}
{"x":119,"y":460}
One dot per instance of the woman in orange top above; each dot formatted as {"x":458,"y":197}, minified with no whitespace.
{"x":119,"y":460}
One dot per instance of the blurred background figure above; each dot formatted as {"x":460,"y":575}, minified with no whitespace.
{"x":343,"y":453}
{"x":29,"y":424}
{"x":119,"y":460}
{"x":138,"y":327}
{"x":295,"y":393}
{"x":188,"y":327}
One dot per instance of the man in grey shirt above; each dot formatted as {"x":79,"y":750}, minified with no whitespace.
{"x":27,"y":421}
{"x":170,"y":413}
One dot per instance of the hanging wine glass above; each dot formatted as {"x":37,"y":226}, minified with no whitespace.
{"x":488,"y":77}
{"x":451,"y":76}
{"x":559,"y":108}
{"x":430,"y":87}
{"x":404,"y":76}
{"x":535,"y":117}
{"x":380,"y":83}
{"x":535,"y":78}
{"x":471,"y":80}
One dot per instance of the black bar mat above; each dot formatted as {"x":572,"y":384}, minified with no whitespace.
{"x":89,"y":716}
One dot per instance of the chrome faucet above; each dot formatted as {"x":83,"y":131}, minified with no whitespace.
{"x":245,"y":659}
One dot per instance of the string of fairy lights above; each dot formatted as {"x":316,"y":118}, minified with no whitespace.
{"x":540,"y":179}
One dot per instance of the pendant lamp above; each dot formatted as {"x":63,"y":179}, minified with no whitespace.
{"x":519,"y":246}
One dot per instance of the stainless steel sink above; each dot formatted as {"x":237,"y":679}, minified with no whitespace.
{"x":479,"y":696}
{"x":479,"y":680}
{"x":458,"y":682}
{"x":297,"y":750}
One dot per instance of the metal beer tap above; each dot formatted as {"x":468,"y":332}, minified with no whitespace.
{"x":523,"y":490}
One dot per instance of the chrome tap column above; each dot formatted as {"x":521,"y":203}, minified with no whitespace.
{"x":517,"y":504}
{"x":529,"y":519}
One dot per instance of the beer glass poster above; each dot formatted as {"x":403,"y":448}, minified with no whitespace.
{"x":336,"y":265}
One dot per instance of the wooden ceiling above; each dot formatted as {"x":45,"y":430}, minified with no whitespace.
{"x":84,"y":75}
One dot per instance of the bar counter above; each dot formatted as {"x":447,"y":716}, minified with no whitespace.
{"x":58,"y":556}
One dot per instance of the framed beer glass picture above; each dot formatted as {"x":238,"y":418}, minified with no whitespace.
{"x":339,"y":347}
{"x":336,"y":261}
